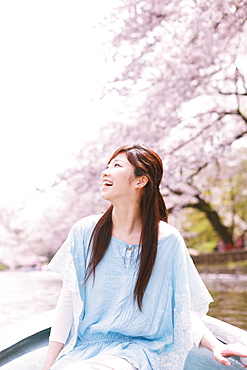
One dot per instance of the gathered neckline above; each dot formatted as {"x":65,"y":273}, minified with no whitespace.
{"x":123,"y":242}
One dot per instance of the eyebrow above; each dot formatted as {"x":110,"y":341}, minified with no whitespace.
{"x":118,"y":159}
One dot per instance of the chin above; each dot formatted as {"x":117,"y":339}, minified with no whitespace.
{"x":104,"y":196}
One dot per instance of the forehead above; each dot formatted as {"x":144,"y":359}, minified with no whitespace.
{"x":121,"y":157}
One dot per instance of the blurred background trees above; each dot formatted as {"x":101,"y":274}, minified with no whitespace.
{"x":179,"y":68}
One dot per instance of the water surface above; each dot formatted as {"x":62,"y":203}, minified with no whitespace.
{"x":229,"y":292}
{"x":24,"y":294}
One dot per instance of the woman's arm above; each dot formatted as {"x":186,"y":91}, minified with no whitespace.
{"x":54,"y":349}
{"x":60,"y":328}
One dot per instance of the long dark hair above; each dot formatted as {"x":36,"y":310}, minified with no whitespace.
{"x":153,"y":209}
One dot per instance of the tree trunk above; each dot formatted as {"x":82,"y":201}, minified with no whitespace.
{"x":213,"y":217}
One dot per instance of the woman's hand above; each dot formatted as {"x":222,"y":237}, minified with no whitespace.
{"x":221,"y":352}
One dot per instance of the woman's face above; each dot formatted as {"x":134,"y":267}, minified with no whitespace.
{"x":118,"y":179}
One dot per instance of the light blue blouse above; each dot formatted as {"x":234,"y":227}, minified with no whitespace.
{"x":159,"y":336}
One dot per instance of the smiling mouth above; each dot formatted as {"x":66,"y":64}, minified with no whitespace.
{"x":107,"y":183}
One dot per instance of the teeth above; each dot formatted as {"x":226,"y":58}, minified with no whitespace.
{"x":107,"y":183}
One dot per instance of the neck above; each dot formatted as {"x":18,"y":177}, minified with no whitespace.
{"x":127,"y":224}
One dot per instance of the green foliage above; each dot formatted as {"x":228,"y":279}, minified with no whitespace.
{"x":227,"y":192}
{"x":237,"y":191}
{"x":199,"y":234}
{"x":2,"y":267}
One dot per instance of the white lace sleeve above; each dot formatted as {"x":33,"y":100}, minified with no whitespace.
{"x":199,"y":329}
{"x":63,"y":317}
{"x":63,"y":264}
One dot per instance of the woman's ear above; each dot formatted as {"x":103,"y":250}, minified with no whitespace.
{"x":141,"y":182}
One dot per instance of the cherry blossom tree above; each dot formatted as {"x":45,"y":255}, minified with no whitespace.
{"x":184,"y":77}
{"x":179,"y":70}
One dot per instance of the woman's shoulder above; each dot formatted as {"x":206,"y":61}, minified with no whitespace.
{"x":166,"y":230}
{"x":87,"y":222}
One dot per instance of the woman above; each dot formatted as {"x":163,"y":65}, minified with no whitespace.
{"x":131,"y":296}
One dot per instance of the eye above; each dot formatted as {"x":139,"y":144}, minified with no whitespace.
{"x":117,"y":165}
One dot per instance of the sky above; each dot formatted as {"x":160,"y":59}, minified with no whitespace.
{"x":52,"y":70}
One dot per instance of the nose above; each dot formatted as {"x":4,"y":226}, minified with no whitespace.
{"x":105,"y":172}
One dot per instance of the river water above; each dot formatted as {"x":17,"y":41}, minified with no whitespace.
{"x":23,"y":294}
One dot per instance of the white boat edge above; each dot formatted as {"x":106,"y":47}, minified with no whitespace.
{"x":17,"y":332}
{"x":225,"y":332}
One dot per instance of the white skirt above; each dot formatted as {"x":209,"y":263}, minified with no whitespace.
{"x":100,"y":362}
